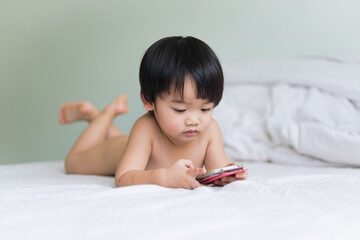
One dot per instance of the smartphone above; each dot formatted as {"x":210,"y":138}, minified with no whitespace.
{"x":215,"y":174}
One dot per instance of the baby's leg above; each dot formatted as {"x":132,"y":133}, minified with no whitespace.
{"x":84,"y":111}
{"x":93,"y":153}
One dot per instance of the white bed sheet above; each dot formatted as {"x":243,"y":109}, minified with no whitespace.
{"x":39,"y":201}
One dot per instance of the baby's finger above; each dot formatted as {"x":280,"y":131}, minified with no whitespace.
{"x":228,"y":179}
{"x":232,"y":164}
{"x":193,"y":172}
{"x":194,"y":184}
{"x":187,"y":163}
{"x":241,"y":175}
{"x":218,"y":183}
{"x":236,"y":177}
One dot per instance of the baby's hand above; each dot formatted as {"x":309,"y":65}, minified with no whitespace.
{"x":182,"y":174}
{"x":225,"y":180}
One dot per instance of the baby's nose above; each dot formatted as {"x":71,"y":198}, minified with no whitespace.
{"x":191,"y":122}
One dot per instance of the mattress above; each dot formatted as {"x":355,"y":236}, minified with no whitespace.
{"x":39,"y":201}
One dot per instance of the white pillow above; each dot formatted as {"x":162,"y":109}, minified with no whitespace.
{"x":338,"y":75}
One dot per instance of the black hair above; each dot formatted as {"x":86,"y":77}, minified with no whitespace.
{"x":168,"y":61}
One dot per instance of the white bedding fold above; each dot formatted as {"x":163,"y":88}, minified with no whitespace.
{"x":275,"y":111}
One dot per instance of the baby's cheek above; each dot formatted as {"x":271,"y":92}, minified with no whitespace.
{"x":173,"y":128}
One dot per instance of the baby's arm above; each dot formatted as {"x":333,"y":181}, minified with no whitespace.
{"x":131,"y":170}
{"x":216,"y":157}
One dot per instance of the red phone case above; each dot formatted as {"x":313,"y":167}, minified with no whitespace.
{"x":211,"y":179}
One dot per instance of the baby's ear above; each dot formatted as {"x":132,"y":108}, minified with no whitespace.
{"x":148,"y":105}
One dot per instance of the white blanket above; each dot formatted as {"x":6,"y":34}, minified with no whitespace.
{"x":39,"y":201}
{"x":302,"y":111}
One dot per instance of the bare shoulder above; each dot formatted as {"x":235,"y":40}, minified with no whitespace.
{"x":145,"y":121}
{"x":145,"y":125}
{"x":213,"y":128}
{"x":212,"y":132}
{"x":215,"y":154}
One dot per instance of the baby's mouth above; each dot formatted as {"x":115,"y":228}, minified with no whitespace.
{"x":191,"y":133}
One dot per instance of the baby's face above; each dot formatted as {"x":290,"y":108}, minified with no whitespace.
{"x":182,"y":120}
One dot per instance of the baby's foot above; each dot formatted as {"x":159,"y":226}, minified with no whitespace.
{"x":76,"y":111}
{"x":118,"y":106}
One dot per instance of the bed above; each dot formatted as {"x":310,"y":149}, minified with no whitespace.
{"x":39,"y":201}
{"x":303,"y":183}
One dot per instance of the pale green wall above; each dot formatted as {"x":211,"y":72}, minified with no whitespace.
{"x":53,"y":52}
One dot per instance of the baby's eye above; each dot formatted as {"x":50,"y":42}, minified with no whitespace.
{"x":206,"y":109}
{"x":179,"y":110}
